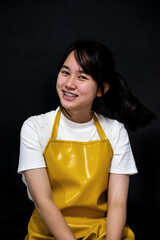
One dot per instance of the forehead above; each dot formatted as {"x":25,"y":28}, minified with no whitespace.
{"x":71,"y":57}
{"x":71,"y":62}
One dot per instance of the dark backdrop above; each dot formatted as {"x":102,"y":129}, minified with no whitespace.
{"x":33,"y":36}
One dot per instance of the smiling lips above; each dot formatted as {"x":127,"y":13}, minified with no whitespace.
{"x":68,"y":94}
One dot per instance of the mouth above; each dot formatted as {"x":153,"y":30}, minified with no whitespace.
{"x":68,"y":94}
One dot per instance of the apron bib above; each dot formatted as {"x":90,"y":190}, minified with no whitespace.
{"x":78,"y":173}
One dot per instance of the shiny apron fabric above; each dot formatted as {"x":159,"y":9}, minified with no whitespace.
{"x":78,"y":174}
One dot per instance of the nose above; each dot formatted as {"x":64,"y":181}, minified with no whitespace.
{"x":71,"y":83}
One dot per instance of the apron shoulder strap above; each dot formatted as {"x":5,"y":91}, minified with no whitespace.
{"x":99,"y":128}
{"x":55,"y":125}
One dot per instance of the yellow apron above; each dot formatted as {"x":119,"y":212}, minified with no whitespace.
{"x":78,"y":174}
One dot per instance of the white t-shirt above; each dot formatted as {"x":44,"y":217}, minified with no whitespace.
{"x":36,"y":132}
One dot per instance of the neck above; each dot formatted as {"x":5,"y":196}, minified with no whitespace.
{"x":78,"y":117}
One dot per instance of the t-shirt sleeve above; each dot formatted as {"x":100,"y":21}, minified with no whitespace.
{"x":31,"y":153}
{"x":123,"y":160}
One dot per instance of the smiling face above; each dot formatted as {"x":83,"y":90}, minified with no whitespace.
{"x":76,"y":89}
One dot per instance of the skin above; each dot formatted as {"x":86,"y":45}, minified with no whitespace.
{"x":117,"y":205}
{"x":77,"y":91}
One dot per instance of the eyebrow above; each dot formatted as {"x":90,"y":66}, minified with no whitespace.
{"x":80,"y":71}
{"x":64,"y":66}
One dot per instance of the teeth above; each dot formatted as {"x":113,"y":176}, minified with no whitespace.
{"x":70,"y":94}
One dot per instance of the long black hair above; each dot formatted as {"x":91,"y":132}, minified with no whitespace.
{"x":119,"y":101}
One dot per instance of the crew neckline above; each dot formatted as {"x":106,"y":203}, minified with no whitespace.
{"x":72,"y":124}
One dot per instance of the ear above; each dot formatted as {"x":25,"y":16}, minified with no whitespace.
{"x":106,"y":87}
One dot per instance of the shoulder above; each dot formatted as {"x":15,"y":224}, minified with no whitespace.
{"x":123,"y":160}
{"x":115,"y":132}
{"x":40,"y":121}
{"x":111,"y":127}
{"x":38,"y":127}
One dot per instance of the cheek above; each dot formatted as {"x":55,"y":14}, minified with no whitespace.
{"x":89,"y":89}
{"x":82,"y":88}
{"x":58,"y":85}
{"x":59,"y":82}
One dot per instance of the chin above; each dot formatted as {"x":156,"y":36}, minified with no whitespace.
{"x":67,"y":106}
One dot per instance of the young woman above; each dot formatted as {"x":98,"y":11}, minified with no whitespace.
{"x":75,"y":162}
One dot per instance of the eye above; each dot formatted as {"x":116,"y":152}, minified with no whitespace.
{"x":64,"y":72}
{"x":82,"y":77}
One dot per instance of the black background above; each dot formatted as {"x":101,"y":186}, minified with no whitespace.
{"x":33,"y":37}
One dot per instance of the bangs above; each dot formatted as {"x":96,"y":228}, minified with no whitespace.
{"x":83,"y":60}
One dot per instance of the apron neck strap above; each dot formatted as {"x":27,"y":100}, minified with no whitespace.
{"x":99,"y":128}
{"x":96,"y":122}
{"x":56,"y":124}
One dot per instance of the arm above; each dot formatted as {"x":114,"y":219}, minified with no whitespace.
{"x":39,"y":187}
{"x":117,"y":204}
